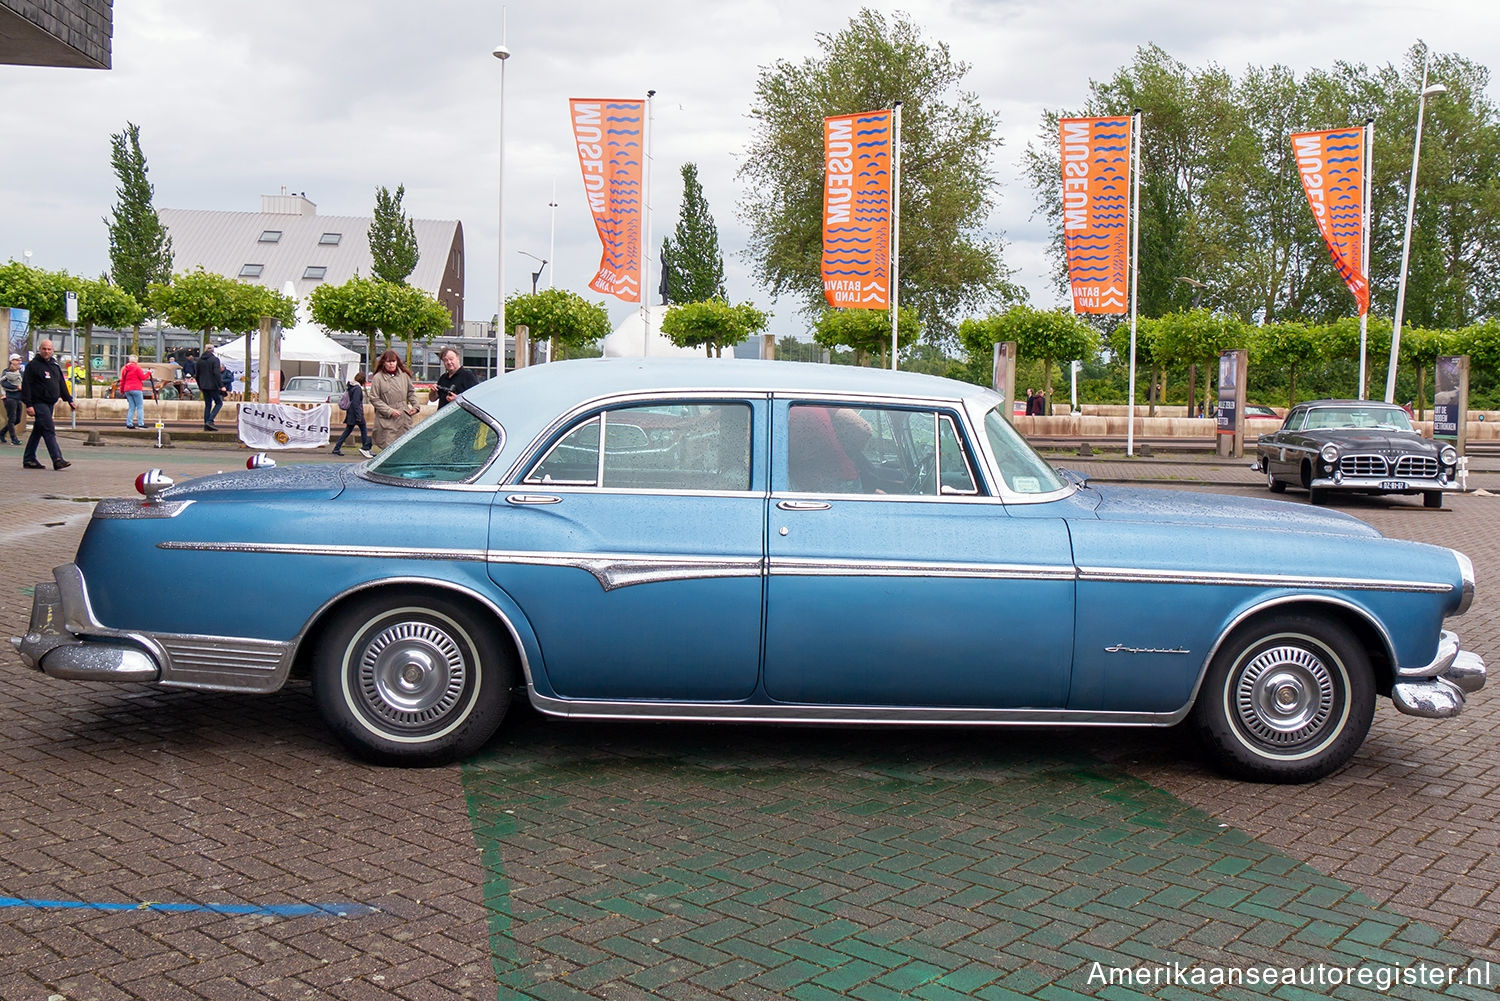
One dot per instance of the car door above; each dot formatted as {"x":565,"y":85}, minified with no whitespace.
{"x":896,"y":579}
{"x":635,"y":548}
{"x":1285,"y":453}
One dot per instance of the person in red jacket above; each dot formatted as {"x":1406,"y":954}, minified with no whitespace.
{"x":133,"y":381}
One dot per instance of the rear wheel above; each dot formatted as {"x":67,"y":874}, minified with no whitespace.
{"x":1272,"y":483}
{"x":1432,"y":498}
{"x":409,"y":679}
{"x":1286,"y":699}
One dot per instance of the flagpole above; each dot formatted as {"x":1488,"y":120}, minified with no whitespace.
{"x":646,"y":230}
{"x":1135,"y":268}
{"x":1364,"y":259}
{"x":895,"y":224}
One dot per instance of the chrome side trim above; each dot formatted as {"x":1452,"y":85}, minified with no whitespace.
{"x":1466,"y":571}
{"x":307,"y":549}
{"x":1218,"y":577}
{"x":623,"y":571}
{"x":808,"y":567}
{"x":892,"y":715}
{"x":127,"y":508}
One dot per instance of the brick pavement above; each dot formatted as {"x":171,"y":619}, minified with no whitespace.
{"x":624,"y":861}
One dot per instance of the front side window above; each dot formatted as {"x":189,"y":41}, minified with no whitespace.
{"x":675,"y":446}
{"x":1023,"y":471}
{"x":452,"y":446}
{"x":875,"y":450}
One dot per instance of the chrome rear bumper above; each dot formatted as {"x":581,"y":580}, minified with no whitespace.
{"x":52,"y":646}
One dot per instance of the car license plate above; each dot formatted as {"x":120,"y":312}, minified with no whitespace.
{"x":1393,"y":484}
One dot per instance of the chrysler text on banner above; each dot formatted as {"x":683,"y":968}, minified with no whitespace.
{"x":1096,"y":211}
{"x":1332,"y":166}
{"x":609,"y":136}
{"x":857,"y":210}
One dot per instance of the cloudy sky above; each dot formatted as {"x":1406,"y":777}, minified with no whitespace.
{"x":238,"y":99}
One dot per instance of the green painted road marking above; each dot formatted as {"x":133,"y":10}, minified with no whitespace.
{"x":667,"y":866}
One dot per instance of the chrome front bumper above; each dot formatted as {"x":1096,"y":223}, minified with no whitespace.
{"x":1377,"y":483}
{"x":1437,"y":690}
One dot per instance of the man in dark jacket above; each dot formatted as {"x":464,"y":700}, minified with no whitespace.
{"x":454,"y":380}
{"x":211,"y":384}
{"x":42,"y":385}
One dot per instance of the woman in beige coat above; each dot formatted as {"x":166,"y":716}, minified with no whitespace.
{"x":394,"y":397}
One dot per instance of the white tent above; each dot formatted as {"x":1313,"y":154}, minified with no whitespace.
{"x":629,"y":338}
{"x":305,"y":350}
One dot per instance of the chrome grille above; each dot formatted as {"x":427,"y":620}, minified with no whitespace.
{"x":1417,"y":467}
{"x":1362,"y":465}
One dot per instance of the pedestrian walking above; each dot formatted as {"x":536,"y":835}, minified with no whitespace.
{"x":10,"y":382}
{"x":354,"y":417}
{"x":42,"y":386}
{"x":133,"y":381}
{"x":394,"y":396}
{"x":211,"y":382}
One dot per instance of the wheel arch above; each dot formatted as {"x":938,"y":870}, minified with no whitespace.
{"x":1365,"y":627}
{"x":305,"y":644}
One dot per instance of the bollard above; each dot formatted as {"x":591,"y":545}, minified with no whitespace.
{"x":1085,"y":449}
{"x":94,"y":438}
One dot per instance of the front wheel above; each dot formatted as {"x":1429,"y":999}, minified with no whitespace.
{"x":1287,"y":699}
{"x":1432,"y":498}
{"x":411,"y":679}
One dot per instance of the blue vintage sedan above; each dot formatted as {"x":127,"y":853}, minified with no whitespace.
{"x":696,"y":540}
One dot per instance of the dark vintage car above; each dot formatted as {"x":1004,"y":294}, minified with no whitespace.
{"x":1357,"y":446}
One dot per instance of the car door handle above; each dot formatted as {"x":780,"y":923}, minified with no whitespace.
{"x":803,"y":505}
{"x":532,"y":499}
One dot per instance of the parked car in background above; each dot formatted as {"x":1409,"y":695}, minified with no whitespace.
{"x":1355,"y":446}
{"x":312,"y":389}
{"x":674,"y":539}
{"x":1256,"y":412}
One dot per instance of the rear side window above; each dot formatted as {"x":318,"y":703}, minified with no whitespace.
{"x":669,"y":446}
{"x":875,"y":450}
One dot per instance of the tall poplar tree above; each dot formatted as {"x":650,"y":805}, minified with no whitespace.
{"x":696,"y":273}
{"x":140,"y":251}
{"x":393,"y":238}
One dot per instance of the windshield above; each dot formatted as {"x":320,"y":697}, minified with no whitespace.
{"x":451,"y":446}
{"x":1023,"y":470}
{"x":1387,"y":418}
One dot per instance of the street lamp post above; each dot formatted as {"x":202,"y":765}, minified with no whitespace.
{"x":552,"y":237}
{"x":501,"y":53}
{"x":537,"y":274}
{"x":1411,"y":206}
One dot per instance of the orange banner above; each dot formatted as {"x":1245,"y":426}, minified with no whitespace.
{"x":1332,"y":165}
{"x":1096,"y":211}
{"x":857,"y":210}
{"x":609,"y":136}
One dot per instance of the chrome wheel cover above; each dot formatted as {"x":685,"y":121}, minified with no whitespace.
{"x":411,"y":675}
{"x":1284,"y":697}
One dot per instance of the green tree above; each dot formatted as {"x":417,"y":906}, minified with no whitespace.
{"x":393,"y":238}
{"x":1145,"y":361}
{"x":1195,"y":338}
{"x":1287,"y":346}
{"x":1047,"y":335}
{"x":712,"y":324}
{"x":105,"y":305}
{"x":947,"y":263}
{"x":140,"y":251}
{"x":370,"y":305}
{"x":203,"y":301}
{"x":567,"y":319}
{"x":866,"y":332}
{"x":41,"y":292}
{"x":696,"y":272}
